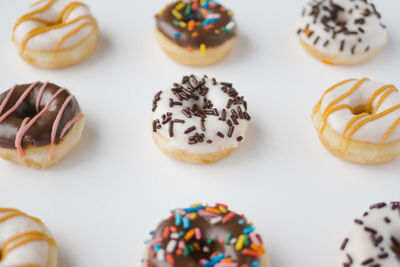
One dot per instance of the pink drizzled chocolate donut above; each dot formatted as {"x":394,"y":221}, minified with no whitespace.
{"x":39,"y":124}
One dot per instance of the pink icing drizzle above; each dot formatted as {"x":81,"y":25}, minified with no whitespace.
{"x":56,"y":124}
{"x":5,"y":101}
{"x":24,"y":128}
{"x":69,"y":124}
{"x":39,"y":97}
{"x":19,"y":102}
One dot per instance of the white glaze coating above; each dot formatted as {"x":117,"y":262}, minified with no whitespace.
{"x":360,"y":246}
{"x":371,"y":35}
{"x":48,"y":40}
{"x":35,"y":252}
{"x":373,"y":131}
{"x":212,"y":123}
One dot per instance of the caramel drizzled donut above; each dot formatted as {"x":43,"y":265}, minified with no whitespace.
{"x":196,"y":32}
{"x":35,"y":120}
{"x":374,"y":239}
{"x":358,"y":120}
{"x":199,"y":120}
{"x":25,"y":241}
{"x":55,"y":33}
{"x":205,"y":236}
{"x":341,"y":31}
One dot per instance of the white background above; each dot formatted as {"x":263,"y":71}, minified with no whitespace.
{"x":101,"y":201}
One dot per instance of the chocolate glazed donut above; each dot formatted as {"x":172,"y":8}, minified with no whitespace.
{"x":204,"y":236}
{"x":34,"y":116}
{"x":172,"y":19}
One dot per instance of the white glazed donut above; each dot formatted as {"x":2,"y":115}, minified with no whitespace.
{"x":374,"y":239}
{"x":55,"y":33}
{"x":345,"y":32}
{"x":199,"y":120}
{"x":25,"y":241}
{"x":359,"y":120}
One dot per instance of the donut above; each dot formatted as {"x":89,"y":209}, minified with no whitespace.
{"x":199,"y":120}
{"x":208,"y":236}
{"x":374,"y":239}
{"x":196,"y":33}
{"x":55,"y":33}
{"x":39,"y":124}
{"x":343,"y":32}
{"x":25,"y":240}
{"x":358,"y":121}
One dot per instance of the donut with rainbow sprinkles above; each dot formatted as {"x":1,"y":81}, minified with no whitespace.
{"x":204,"y":235}
{"x":196,"y":32}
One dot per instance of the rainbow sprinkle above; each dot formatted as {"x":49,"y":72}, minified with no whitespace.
{"x":203,"y":49}
{"x":180,"y":237}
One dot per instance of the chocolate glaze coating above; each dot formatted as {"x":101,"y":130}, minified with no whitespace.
{"x":39,"y":133}
{"x":215,"y":232}
{"x":165,"y":24}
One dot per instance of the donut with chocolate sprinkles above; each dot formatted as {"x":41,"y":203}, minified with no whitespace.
{"x":196,"y":33}
{"x":343,"y":32}
{"x":374,"y":238}
{"x":199,"y":120}
{"x":204,"y":235}
{"x":39,"y":124}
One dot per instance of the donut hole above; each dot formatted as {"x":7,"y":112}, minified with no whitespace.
{"x":196,"y":16}
{"x":214,"y":248}
{"x":341,"y":18}
{"x":396,"y":250}
{"x":361,"y":110}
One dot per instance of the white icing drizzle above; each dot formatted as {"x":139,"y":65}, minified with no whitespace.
{"x":342,"y":27}
{"x":23,"y":240}
{"x":210,"y":139}
{"x":374,"y":239}
{"x":68,"y":16}
{"x":335,"y":106}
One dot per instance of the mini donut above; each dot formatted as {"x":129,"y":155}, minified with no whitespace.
{"x":26,"y":241}
{"x":208,"y":236}
{"x":343,"y":32}
{"x":55,"y":33}
{"x":39,"y":124}
{"x":358,"y":121}
{"x":196,"y":33}
{"x":199,"y":120}
{"x":374,"y":239}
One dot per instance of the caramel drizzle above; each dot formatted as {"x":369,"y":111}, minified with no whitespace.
{"x":60,"y":23}
{"x":363,"y":118}
{"x":28,"y":122}
{"x":35,"y":12}
{"x":14,"y":213}
{"x":331,"y":106}
{"x":21,"y":239}
{"x":318,"y":105}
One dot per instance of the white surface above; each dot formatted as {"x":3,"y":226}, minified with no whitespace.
{"x":101,"y":201}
